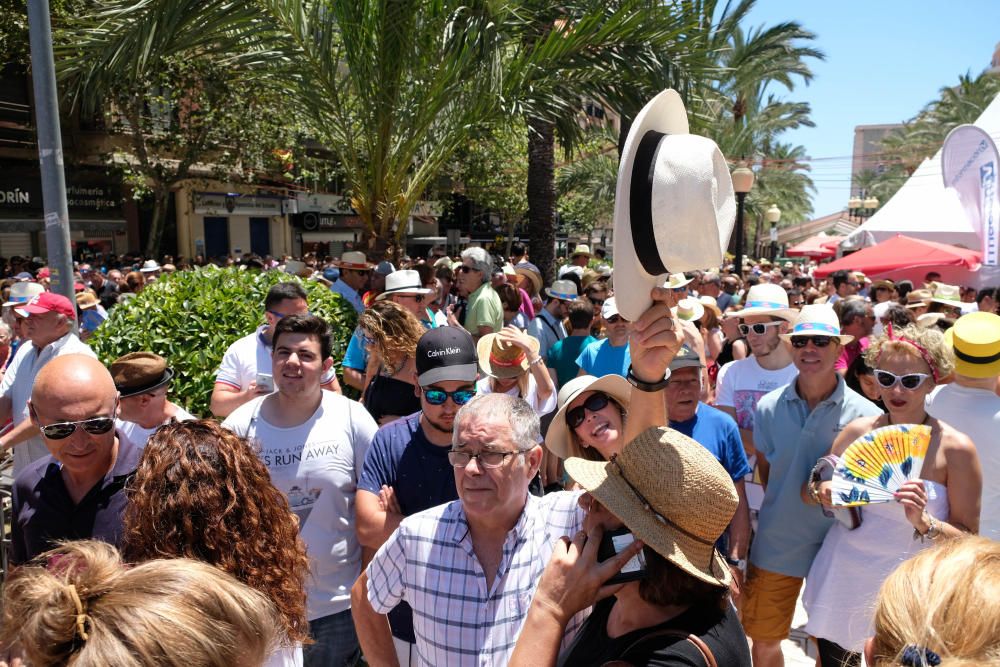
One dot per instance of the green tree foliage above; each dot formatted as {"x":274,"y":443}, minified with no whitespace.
{"x":924,"y":134}
{"x":191,"y":317}
{"x":14,"y":43}
{"x":586,"y":182}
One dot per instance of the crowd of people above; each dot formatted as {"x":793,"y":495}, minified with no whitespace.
{"x":527,"y":477}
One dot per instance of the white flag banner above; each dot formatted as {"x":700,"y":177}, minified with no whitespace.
{"x":969,"y":163}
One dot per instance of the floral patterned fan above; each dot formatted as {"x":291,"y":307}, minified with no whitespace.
{"x":874,"y":466}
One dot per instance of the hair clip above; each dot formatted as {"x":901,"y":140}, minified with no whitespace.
{"x":914,"y":656}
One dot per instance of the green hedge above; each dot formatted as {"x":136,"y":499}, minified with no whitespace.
{"x":191,"y":317}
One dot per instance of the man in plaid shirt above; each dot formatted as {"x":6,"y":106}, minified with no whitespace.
{"x":469,"y":568}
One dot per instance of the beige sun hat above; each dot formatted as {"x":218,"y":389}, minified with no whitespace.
{"x":710,"y":303}
{"x":581,"y":249}
{"x":689,"y":310}
{"x":818,"y":319}
{"x":532,"y":276}
{"x":404,"y":281}
{"x":949,"y":295}
{"x":564,"y":290}
{"x":674,"y":202}
{"x":559,"y":439}
{"x":676,"y":281}
{"x":503,"y":360}
{"x":766,"y":299}
{"x":354,"y":259}
{"x":672,"y":494}
{"x":918,"y":297}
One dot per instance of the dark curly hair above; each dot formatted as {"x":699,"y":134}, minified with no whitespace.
{"x":201,"y":492}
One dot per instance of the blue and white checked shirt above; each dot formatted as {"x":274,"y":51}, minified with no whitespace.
{"x":429,"y":562}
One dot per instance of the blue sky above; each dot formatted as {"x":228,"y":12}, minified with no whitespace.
{"x":885,"y":59}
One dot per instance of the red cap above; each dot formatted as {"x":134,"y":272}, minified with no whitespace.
{"x":48,"y":302}
{"x":44,"y":272}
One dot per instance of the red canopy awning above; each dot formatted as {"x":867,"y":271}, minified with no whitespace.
{"x":902,"y":252}
{"x":820,"y":247}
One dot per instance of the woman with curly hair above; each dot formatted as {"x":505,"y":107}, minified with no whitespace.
{"x":392,"y":333}
{"x":201,"y":492}
{"x":942,"y":504}
{"x":80,"y":605}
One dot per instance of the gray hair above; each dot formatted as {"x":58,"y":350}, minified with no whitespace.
{"x":523,"y":420}
{"x":481,"y":261}
{"x":6,"y":333}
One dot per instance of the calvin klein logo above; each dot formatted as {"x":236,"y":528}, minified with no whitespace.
{"x":443,"y":353}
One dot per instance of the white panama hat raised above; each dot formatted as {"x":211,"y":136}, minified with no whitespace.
{"x":674,"y":203}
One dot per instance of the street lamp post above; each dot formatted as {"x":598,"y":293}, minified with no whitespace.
{"x":861,"y":206}
{"x":742,"y":182}
{"x":773,"y":215}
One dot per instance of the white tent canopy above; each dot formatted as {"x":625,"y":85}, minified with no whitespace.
{"x":923,"y":208}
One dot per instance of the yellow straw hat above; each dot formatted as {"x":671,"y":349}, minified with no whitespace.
{"x":975,"y":339}
{"x":672,"y":494}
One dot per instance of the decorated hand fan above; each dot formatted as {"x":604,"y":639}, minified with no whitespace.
{"x":874,"y":466}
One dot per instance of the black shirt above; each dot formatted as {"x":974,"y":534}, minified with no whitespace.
{"x":720,"y":630}
{"x":44,"y":513}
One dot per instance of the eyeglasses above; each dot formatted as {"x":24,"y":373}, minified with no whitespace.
{"x":439,"y":396}
{"x":283,"y":315}
{"x":760,"y":328}
{"x":910,"y":381}
{"x":819,"y":341}
{"x":486,"y":459}
{"x":596,"y":401}
{"x":62,"y":430}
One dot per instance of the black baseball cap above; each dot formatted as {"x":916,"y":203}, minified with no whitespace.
{"x":446,"y":353}
{"x":686,"y":358}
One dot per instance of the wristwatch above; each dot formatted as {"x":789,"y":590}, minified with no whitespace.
{"x":646,"y":386}
{"x":739,"y":563}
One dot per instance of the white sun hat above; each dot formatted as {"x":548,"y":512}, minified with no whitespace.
{"x":674,"y":203}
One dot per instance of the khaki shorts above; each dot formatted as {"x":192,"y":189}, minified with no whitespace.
{"x":769,"y":604}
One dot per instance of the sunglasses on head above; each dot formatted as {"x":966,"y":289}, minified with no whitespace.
{"x":760,"y":328}
{"x":594,"y":402}
{"x":439,"y":396}
{"x":94,"y":426}
{"x":818,"y":341}
{"x":909,"y":381}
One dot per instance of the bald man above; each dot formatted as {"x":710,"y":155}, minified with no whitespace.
{"x":77,"y":491}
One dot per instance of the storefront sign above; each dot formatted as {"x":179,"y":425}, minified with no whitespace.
{"x":23,"y":193}
{"x":222,"y":203}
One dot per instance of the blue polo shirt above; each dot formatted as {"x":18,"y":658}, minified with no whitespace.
{"x":793,"y":438}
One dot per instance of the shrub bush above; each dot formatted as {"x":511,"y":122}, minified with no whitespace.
{"x":191,"y":317}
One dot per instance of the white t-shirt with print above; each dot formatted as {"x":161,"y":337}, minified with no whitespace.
{"x":743,"y":382}
{"x":249,"y":356}
{"x":317,"y":465}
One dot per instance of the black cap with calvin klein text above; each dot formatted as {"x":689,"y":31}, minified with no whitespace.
{"x":446,"y":353}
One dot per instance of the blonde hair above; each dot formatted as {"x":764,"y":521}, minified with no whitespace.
{"x":78,"y":604}
{"x":945,"y":599}
{"x":933,"y":349}
{"x":394,"y":331}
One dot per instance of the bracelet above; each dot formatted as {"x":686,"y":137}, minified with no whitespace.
{"x":812,"y":487}
{"x":933,"y":529}
{"x":536,"y":361}
{"x":646,"y":386}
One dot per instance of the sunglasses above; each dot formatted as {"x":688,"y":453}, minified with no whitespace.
{"x":594,"y":402}
{"x":439,"y":396}
{"x":279,"y":316}
{"x":819,"y":341}
{"x":909,"y":381}
{"x":596,"y":302}
{"x":760,"y":328}
{"x":419,"y":298}
{"x":615,"y":319}
{"x":62,"y":430}
{"x":466,"y":269}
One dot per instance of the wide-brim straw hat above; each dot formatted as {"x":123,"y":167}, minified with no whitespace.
{"x":949,"y":295}
{"x":354,"y":259}
{"x":676,"y":281}
{"x":818,"y":319}
{"x":502,"y":360}
{"x":405,"y":281}
{"x":581,"y":249}
{"x":674,"y":202}
{"x":975,"y":340}
{"x":711,"y":303}
{"x":533,"y":276}
{"x":562,"y":289}
{"x":672,"y":494}
{"x":918,"y":297}
{"x":559,"y":439}
{"x":766,"y":299}
{"x":689,"y":310}
{"x":21,"y":293}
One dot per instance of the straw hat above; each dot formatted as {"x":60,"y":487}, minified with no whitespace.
{"x":689,"y":310}
{"x":918,"y":297}
{"x":354,"y":259}
{"x":403,"y":282}
{"x":975,"y":339}
{"x":581,"y":249}
{"x":562,"y":289}
{"x":674,"y":202}
{"x":21,"y":293}
{"x":928,"y":320}
{"x":503,"y":360}
{"x":711,"y":304}
{"x":86,"y":300}
{"x":150,"y":266}
{"x":817,"y":319}
{"x":676,"y":281}
{"x":887,"y":284}
{"x":533,"y":276}
{"x":559,"y":439}
{"x":766,"y":299}
{"x":672,"y":494}
{"x":949,"y":295}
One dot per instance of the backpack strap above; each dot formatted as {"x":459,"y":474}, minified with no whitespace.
{"x":702,"y":647}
